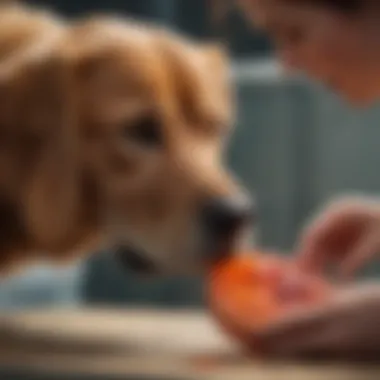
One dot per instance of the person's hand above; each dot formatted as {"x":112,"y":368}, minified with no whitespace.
{"x":348,"y":328}
{"x":346,"y":233}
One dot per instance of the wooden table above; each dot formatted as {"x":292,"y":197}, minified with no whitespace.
{"x":137,"y":344}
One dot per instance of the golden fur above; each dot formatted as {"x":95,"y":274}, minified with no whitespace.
{"x":73,"y":175}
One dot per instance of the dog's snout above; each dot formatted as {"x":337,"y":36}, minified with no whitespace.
{"x":224,"y":216}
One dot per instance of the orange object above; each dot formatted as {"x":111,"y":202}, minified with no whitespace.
{"x":247,"y":292}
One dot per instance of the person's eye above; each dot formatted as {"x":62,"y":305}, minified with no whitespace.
{"x":146,"y":131}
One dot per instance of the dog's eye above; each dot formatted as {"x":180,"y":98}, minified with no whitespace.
{"x":146,"y":131}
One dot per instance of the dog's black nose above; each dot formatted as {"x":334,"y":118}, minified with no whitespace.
{"x":223,"y":217}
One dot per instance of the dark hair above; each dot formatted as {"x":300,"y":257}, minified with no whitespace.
{"x":340,"y":5}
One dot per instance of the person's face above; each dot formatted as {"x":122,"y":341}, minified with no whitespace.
{"x":340,"y":50}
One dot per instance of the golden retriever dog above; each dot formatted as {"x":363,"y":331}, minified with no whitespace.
{"x":112,"y":135}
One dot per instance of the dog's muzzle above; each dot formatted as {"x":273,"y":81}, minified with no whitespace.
{"x":222,"y":220}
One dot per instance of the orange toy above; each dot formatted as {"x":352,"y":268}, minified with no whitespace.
{"x":247,"y":292}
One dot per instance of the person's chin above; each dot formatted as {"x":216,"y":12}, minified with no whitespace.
{"x":359,"y":99}
{"x":362,"y":102}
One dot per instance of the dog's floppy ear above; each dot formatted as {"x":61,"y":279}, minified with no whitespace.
{"x":38,"y":117}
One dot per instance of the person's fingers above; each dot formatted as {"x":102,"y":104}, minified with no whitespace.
{"x":331,"y":234}
{"x":313,"y":248}
{"x":292,"y":334}
{"x":319,"y":335}
{"x":321,"y":342}
{"x":364,"y":250}
{"x":341,"y":329}
{"x":330,"y":331}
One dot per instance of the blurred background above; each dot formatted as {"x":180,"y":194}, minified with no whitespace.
{"x":295,"y":146}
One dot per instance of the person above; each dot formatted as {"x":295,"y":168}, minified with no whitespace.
{"x":335,"y":42}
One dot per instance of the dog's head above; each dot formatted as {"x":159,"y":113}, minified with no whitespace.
{"x":139,"y":156}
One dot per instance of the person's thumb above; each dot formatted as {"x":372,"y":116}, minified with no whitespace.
{"x":362,"y":252}
{"x":310,"y":253}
